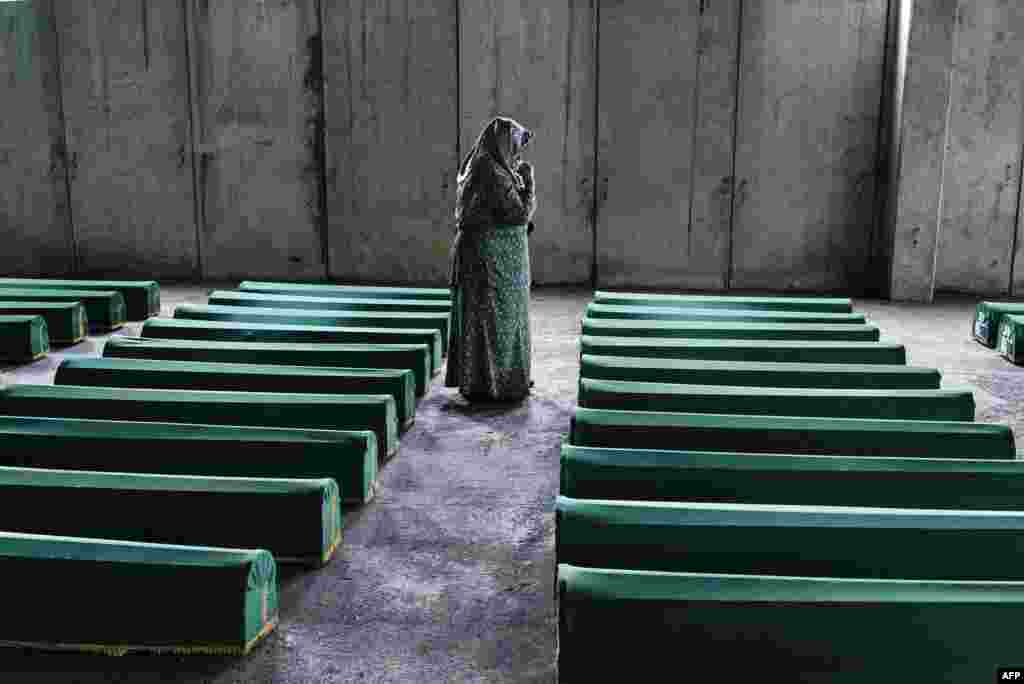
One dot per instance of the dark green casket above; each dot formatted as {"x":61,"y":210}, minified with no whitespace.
{"x":666,"y":475}
{"x":627,"y":395}
{"x":833,"y":304}
{"x":116,"y":597}
{"x":788,"y":351}
{"x":350,"y":319}
{"x":414,"y":357}
{"x":988,"y":316}
{"x":364,"y":291}
{"x":654,"y":313}
{"x":243,"y":377}
{"x":728,"y":330}
{"x":347,"y":456}
{"x":298,"y":520}
{"x":215,"y":331}
{"x":141,"y":297}
{"x":793,"y":629}
{"x":23,"y":338}
{"x":67,"y":322}
{"x":790,"y":435}
{"x":1011,"y":331}
{"x":105,"y":309}
{"x":759,"y":374}
{"x":265,"y":300}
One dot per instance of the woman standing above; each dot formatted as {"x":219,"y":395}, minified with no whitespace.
{"x":489,"y":350}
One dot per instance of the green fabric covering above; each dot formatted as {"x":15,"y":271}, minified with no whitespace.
{"x":641,"y":313}
{"x":285,"y":301}
{"x":374,"y":412}
{"x":214,"y":331}
{"x":67,"y":322}
{"x":790,"y":434}
{"x":364,"y":291}
{"x":764,"y":374}
{"x":728,"y":330}
{"x":1011,"y":330}
{"x":791,"y":351}
{"x":120,"y":596}
{"x":653,"y":475}
{"x":414,"y":357}
{"x":23,"y":338}
{"x":786,"y":629}
{"x":802,"y":541}
{"x":142,"y":297}
{"x":835,"y":305}
{"x":348,"y":456}
{"x":296,"y":520}
{"x":988,"y":316}
{"x":352,"y":319}
{"x":243,"y":377}
{"x":938,"y":404}
{"x":105,"y":309}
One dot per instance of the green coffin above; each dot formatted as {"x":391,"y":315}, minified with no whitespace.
{"x":626,"y":395}
{"x":834,"y":305}
{"x":347,"y":456}
{"x":728,"y":330}
{"x":362,"y":291}
{"x":988,"y":316}
{"x":414,"y":357}
{"x":792,"y":351}
{"x":284,"y":301}
{"x":299,"y":521}
{"x":1011,"y":330}
{"x":243,"y":377}
{"x":67,"y":322}
{"x":653,"y":475}
{"x":800,"y":541}
{"x":105,"y":309}
{"x":790,"y":435}
{"x":214,"y":331}
{"x":654,"y":313}
{"x":142,"y":297}
{"x":374,"y":412}
{"x":23,"y":338}
{"x":351,"y":319}
{"x":114,"y":597}
{"x":763,"y":374}
{"x":784,"y":629}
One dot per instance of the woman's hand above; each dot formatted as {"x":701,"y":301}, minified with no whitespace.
{"x":525,"y":169}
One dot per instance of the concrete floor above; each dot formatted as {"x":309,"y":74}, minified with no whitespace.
{"x":447,"y":575}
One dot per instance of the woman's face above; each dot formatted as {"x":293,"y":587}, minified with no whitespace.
{"x":520,"y":139}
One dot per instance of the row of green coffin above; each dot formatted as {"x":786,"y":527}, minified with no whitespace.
{"x":413,"y":357}
{"x":243,"y":377}
{"x":988,"y":316}
{"x":790,"y":434}
{"x":351,"y":291}
{"x":762,"y":351}
{"x":732,"y":330}
{"x":644,"y":299}
{"x":181,"y":329}
{"x":67,"y":322}
{"x":266,"y":300}
{"x":105,"y":309}
{"x":141,"y":297}
{"x":311,"y":317}
{"x":352,"y":466}
{"x":784,"y":628}
{"x":1011,"y":334}
{"x":23,"y":338}
{"x":916,"y":404}
{"x":654,"y":313}
{"x":765,"y":478}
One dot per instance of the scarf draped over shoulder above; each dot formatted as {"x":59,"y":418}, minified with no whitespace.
{"x":490,"y":189}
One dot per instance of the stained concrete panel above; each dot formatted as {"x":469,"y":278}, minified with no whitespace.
{"x":811,"y":76}
{"x":259,"y":99}
{"x":125,"y":96}
{"x":392,"y":131}
{"x":34,"y":225}
{"x":983,"y":155}
{"x":923,"y":137}
{"x":647,"y":94}
{"x":535,"y":62}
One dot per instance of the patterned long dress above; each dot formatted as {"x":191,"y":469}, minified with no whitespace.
{"x":489,"y":349}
